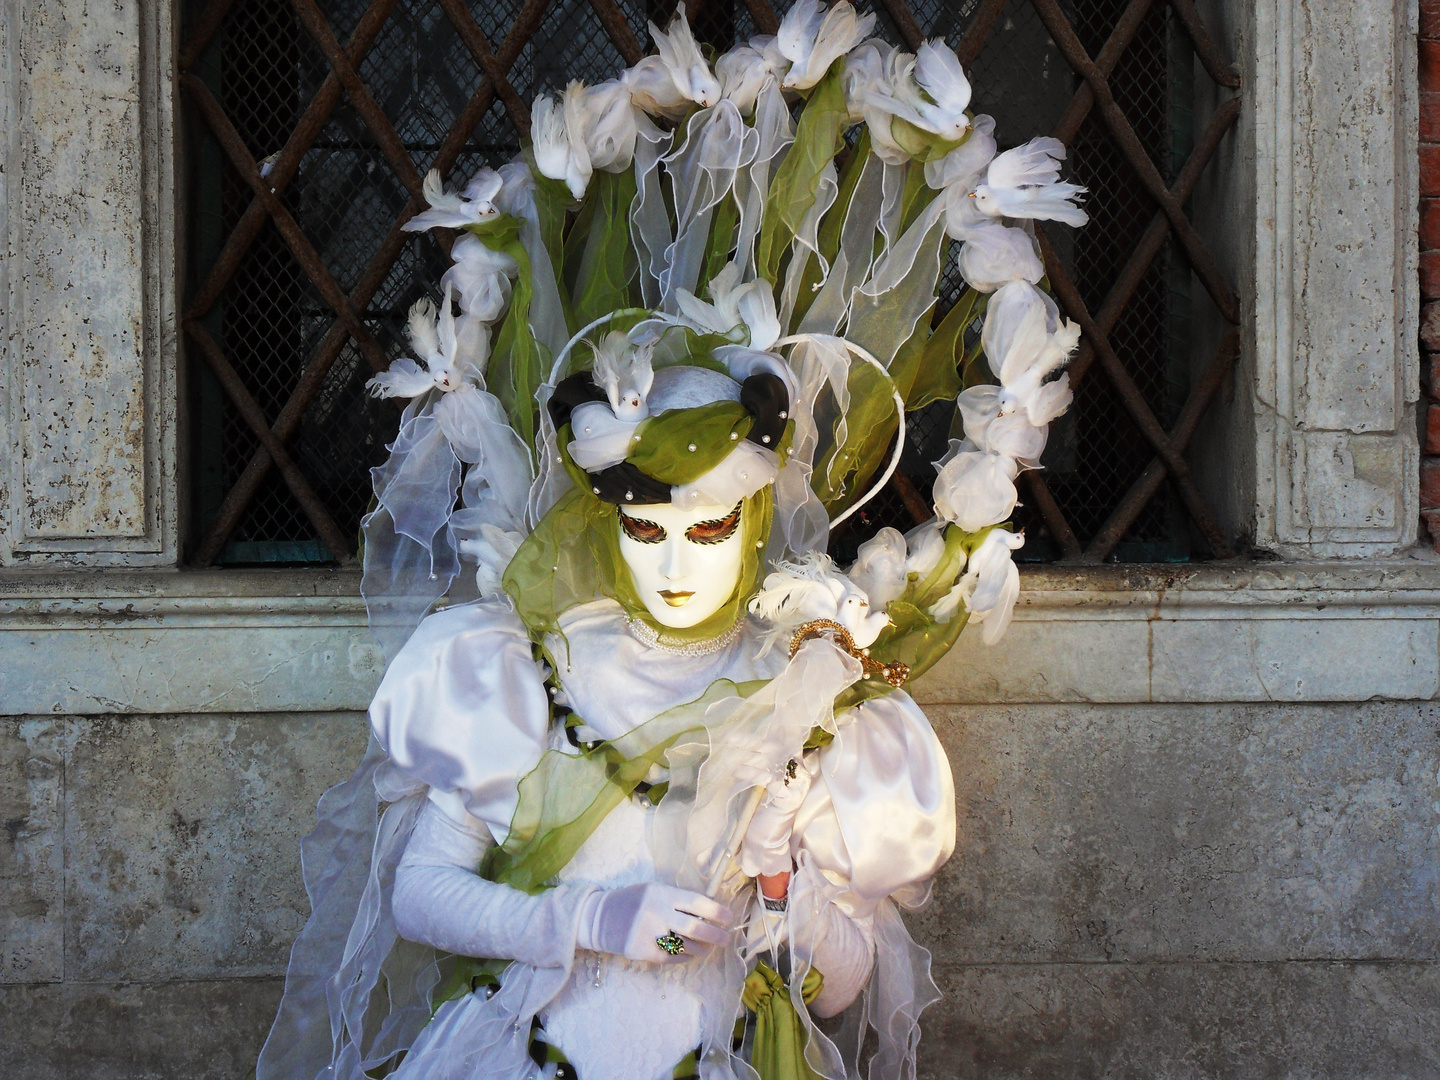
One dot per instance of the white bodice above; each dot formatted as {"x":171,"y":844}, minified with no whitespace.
{"x":654,"y":1005}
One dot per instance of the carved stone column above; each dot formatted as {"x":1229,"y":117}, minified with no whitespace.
{"x":1336,"y":366}
{"x":87,"y":285}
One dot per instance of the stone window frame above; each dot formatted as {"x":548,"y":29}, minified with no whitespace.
{"x":1318,"y":430}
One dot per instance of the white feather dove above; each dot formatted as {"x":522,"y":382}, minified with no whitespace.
{"x":1025,"y":183}
{"x":624,"y":372}
{"x":455,"y":210}
{"x":812,"y":39}
{"x":667,"y":83}
{"x":434,"y":343}
{"x":813,"y":588}
{"x":928,"y":89}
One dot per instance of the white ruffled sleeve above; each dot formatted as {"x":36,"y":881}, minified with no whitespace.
{"x":880,"y":816}
{"x":463,"y":708}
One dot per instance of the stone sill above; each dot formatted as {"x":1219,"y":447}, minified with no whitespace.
{"x":134,"y":641}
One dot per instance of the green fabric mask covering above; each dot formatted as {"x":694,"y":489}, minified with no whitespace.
{"x":573,"y":555}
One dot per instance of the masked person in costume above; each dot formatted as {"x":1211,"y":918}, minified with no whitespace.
{"x":645,"y":796}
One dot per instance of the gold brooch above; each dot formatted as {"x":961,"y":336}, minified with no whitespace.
{"x":895,"y":673}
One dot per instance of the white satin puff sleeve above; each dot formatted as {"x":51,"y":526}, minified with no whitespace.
{"x":463,"y":708}
{"x":880,"y":816}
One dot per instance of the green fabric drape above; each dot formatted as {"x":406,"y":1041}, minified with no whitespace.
{"x":778,"y":1052}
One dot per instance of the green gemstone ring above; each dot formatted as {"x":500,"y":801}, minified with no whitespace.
{"x":671,"y":942}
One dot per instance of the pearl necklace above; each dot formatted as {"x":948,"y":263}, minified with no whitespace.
{"x":647,"y":635}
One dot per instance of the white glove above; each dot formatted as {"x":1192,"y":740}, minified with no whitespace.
{"x":766,"y":848}
{"x":627,"y":921}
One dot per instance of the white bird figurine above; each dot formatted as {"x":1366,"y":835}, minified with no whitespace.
{"x":812,"y":39}
{"x":1025,"y":342}
{"x":1025,"y":183}
{"x":624,"y":372}
{"x":745,"y":69}
{"x":666,"y":84}
{"x":435,"y":346}
{"x":991,"y":584}
{"x":928,"y":89}
{"x":751,"y":304}
{"x":455,"y":210}
{"x":811,"y":589}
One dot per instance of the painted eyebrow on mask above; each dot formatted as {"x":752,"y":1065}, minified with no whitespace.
{"x":714,"y":532}
{"x":640,"y":530}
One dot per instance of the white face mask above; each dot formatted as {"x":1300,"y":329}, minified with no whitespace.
{"x":685,"y":563}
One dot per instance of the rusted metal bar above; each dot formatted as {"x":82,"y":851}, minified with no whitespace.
{"x":295,"y":238}
{"x":312,"y":122}
{"x":979,"y":31}
{"x":1214,"y":63}
{"x":1133,"y":400}
{"x":1050,"y":510}
{"x":474,"y":39}
{"x":766,"y":21}
{"x":1129,"y":143}
{"x":1153,"y":238}
{"x":904,"y":21}
{"x":618,"y":29}
{"x":312,"y":378}
{"x":250,"y":411}
{"x":205,"y":27}
{"x":1144,"y":489}
{"x":916,"y":504}
{"x":360,"y":97}
{"x":1115,"y":45}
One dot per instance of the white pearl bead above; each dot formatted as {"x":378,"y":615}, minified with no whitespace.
{"x":629,"y":496}
{"x":692,"y":448}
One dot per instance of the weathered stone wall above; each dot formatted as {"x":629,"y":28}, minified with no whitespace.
{"x":1139,"y":891}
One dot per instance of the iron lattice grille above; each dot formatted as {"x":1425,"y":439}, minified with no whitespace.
{"x":312,"y":129}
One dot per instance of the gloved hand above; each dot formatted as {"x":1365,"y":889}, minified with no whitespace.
{"x":766,"y":848}
{"x":627,"y":921}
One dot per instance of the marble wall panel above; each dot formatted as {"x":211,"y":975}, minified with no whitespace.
{"x":1184,"y":833}
{"x":32,"y":905}
{"x":1319,"y":1021}
{"x":182,"y":840}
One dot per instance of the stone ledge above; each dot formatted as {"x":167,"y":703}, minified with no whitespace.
{"x":114,"y":641}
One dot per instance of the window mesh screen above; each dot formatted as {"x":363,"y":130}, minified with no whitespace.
{"x":273,"y":324}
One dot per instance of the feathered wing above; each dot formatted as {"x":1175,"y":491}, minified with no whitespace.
{"x":1035,"y":163}
{"x":791,"y":601}
{"x":404,"y":379}
{"x":939,"y":74}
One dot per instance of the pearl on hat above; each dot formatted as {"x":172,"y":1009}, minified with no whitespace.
{"x":595,"y":490}
{"x":692,"y":448}
{"x":765,"y":439}
{"x":784,"y":415}
{"x":734,"y":435}
{"x":629,"y":496}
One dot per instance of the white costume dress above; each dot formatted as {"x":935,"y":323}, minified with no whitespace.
{"x":464,"y":710}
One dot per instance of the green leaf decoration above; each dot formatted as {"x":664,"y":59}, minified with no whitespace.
{"x":841,"y":475}
{"x":834,"y":221}
{"x":724,"y":224}
{"x":884,"y":322}
{"x":935,"y":374}
{"x":605,"y":264}
{"x":819,"y":135}
{"x":517,"y":360}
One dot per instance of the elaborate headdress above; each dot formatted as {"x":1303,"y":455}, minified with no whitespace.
{"x":688,"y":290}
